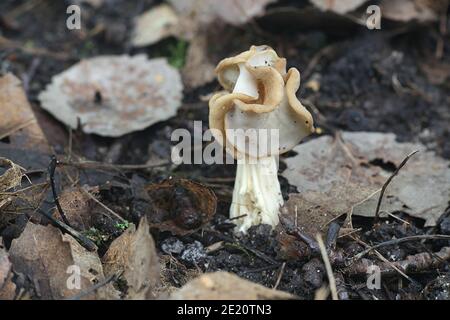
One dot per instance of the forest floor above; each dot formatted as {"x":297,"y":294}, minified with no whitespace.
{"x":390,"y":80}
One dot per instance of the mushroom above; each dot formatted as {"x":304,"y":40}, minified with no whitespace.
{"x":259,"y":97}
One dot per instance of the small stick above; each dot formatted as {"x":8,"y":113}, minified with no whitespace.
{"x":400,"y":240}
{"x":103,"y":205}
{"x":383,"y":189}
{"x":51,"y":172}
{"x":100,"y":165}
{"x":280,"y":275}
{"x":85,"y":241}
{"x":326,"y":261}
{"x":296,"y":232}
{"x":94,"y":288}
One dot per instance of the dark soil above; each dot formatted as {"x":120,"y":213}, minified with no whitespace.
{"x":370,"y":81}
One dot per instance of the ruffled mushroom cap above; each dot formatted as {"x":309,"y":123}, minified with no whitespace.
{"x":274,"y":104}
{"x":228,"y":69}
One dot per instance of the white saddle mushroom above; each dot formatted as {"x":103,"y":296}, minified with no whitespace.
{"x":256,"y":118}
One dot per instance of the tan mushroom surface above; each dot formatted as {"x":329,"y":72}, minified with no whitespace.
{"x":114,"y":95}
{"x":256,"y":118}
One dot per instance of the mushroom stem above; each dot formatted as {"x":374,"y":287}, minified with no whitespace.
{"x":256,"y":194}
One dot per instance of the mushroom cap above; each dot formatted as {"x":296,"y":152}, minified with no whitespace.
{"x":228,"y":69}
{"x":276,"y":106}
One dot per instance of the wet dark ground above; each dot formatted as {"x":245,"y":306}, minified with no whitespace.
{"x":369,"y":81}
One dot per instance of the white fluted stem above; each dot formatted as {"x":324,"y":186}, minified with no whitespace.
{"x":257,"y":194}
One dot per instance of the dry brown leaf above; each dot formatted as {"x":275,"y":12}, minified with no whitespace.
{"x":44,"y":254}
{"x":133,"y":254}
{"x":338,"y":6}
{"x":226,"y":286}
{"x":25,"y":142}
{"x":77,"y":206}
{"x":335,"y":177}
{"x":11,"y":177}
{"x":114,"y":95}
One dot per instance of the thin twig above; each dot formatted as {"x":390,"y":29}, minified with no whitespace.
{"x":85,"y":241}
{"x":95,"y":287}
{"x":51,"y":172}
{"x":385,"y":185}
{"x":103,"y":205}
{"x":100,"y":165}
{"x":326,"y":261}
{"x":280,"y":275}
{"x":400,"y":240}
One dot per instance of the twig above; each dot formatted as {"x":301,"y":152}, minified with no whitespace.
{"x":385,"y":185}
{"x":103,"y":205}
{"x":256,"y":252}
{"x":382,"y":258}
{"x":51,"y":172}
{"x":326,"y":261}
{"x":94,"y":288}
{"x":400,"y":240}
{"x":280,"y":275}
{"x":296,"y":232}
{"x":85,"y":241}
{"x":100,"y":165}
{"x":17,"y":128}
{"x":333,"y":231}
{"x":414,"y":263}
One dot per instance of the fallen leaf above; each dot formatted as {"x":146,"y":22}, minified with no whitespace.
{"x":21,"y":138}
{"x":153,"y":25}
{"x":339,"y":7}
{"x":198,"y":69}
{"x":226,"y":286}
{"x":180,"y":206}
{"x":11,"y":176}
{"x":235,"y":12}
{"x":407,"y":10}
{"x":134,"y":255}
{"x":337,"y":176}
{"x":77,"y":206}
{"x":52,"y":260}
{"x":114,"y":95}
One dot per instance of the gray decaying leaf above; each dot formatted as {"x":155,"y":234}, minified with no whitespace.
{"x":337,"y":6}
{"x":234,"y":12}
{"x":335,"y":176}
{"x":133,"y":254}
{"x":185,"y":19}
{"x":53,"y":261}
{"x":226,"y":286}
{"x":114,"y":95}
